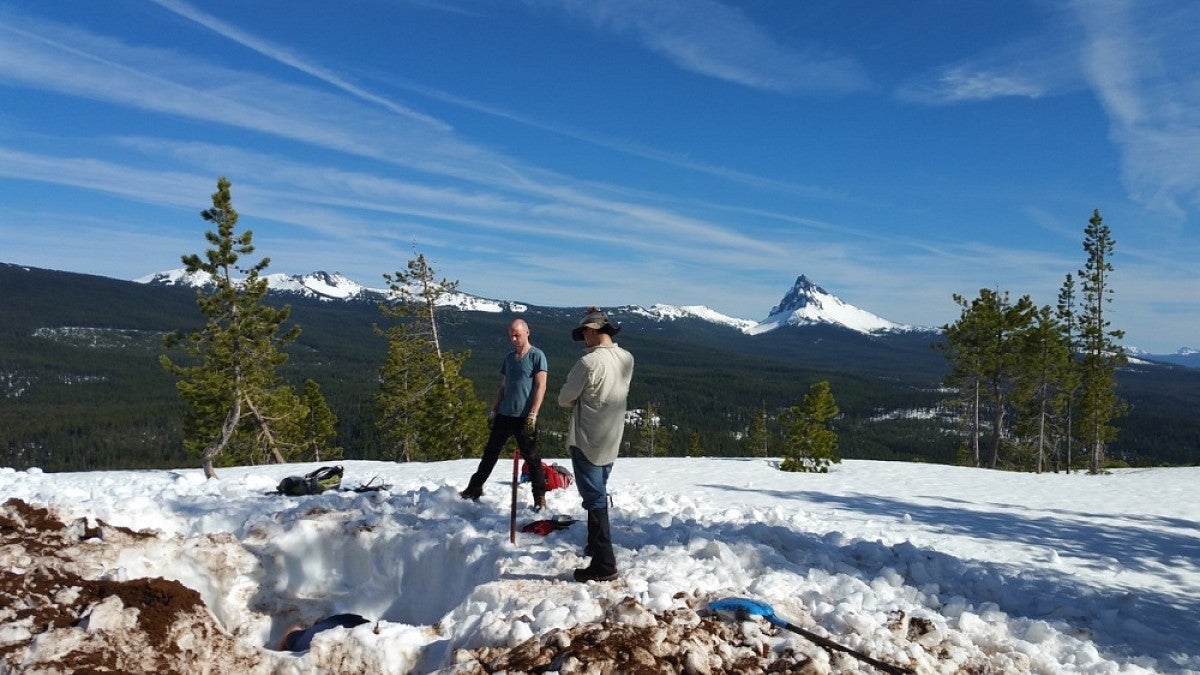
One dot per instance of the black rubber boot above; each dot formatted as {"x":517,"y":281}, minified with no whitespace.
{"x":472,"y":492}
{"x":603,"y":566}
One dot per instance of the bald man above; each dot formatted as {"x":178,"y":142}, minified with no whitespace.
{"x":514,"y":413}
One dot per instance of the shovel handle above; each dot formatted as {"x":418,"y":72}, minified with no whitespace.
{"x":830,"y":644}
{"x":512,"y":522}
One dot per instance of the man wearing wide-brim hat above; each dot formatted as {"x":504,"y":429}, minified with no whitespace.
{"x":596,"y":391}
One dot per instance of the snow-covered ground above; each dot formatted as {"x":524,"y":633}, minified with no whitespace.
{"x":934,"y":568}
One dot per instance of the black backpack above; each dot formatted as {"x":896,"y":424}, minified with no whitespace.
{"x":312,"y":483}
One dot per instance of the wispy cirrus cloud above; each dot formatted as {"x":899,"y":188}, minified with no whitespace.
{"x":76,"y":63}
{"x":626,"y":147}
{"x":1143,"y":61}
{"x":719,"y":41}
{"x":1036,"y":66}
{"x":299,"y":62}
{"x":964,"y":83}
{"x":291,"y":58}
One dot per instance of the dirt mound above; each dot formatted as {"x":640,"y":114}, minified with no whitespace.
{"x":633,"y":640}
{"x":60,"y":614}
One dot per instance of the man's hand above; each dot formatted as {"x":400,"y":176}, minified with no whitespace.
{"x":530,"y":424}
{"x":491,"y":418}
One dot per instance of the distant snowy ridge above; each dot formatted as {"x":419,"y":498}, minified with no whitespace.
{"x":319,"y":284}
{"x":330,"y":286}
{"x":1186,"y":356}
{"x":179,"y":277}
{"x":316,"y":284}
{"x":808,"y":304}
{"x":660,"y":312}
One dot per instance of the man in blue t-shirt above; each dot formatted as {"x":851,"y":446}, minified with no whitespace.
{"x":514,"y":413}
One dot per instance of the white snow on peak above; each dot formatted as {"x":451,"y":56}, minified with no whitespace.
{"x":661,"y":312}
{"x":177,"y":277}
{"x":329,"y":286}
{"x":1187,"y":351}
{"x":472,"y":303}
{"x":1136,"y":356}
{"x":463,"y":301}
{"x":807,"y":304}
{"x":315,"y":284}
{"x":320,"y":284}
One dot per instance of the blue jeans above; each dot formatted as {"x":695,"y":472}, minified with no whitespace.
{"x":591,"y":480}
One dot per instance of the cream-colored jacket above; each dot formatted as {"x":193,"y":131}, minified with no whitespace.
{"x":596,"y":390}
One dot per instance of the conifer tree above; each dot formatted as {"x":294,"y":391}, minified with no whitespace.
{"x":1100,"y":352}
{"x":1043,"y":373}
{"x":428,"y":409}
{"x":964,"y":348}
{"x":651,"y":434}
{"x":240,"y":411}
{"x":812,"y":444}
{"x":1067,"y":321}
{"x":320,"y":425}
{"x":983,"y":348}
{"x":760,"y":442}
{"x":694,"y":449}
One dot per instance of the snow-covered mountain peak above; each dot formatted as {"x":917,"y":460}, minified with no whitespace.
{"x":808,"y":304}
{"x":661,"y":312}
{"x":805,"y":304}
{"x":324,"y":285}
{"x":177,"y":277}
{"x":329,"y":286}
{"x":320,"y":284}
{"x":803,"y":293}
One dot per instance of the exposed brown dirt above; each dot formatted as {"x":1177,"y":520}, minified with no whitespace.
{"x":634,"y":641}
{"x":62,"y":618}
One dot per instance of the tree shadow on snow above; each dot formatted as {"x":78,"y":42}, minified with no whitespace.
{"x":1124,"y":618}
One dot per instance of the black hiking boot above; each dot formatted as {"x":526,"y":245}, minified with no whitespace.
{"x":586,"y":574}
{"x":471,"y":494}
{"x":603,"y":566}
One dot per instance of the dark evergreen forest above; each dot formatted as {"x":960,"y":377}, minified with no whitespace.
{"x":81,"y":387}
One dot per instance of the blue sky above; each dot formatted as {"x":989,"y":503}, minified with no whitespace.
{"x":573,"y":152}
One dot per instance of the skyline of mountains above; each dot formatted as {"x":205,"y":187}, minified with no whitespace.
{"x":81,"y":352}
{"x":804,"y":304}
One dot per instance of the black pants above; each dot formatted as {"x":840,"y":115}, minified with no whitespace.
{"x":504,"y":428}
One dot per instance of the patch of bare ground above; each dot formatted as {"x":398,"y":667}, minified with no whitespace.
{"x":633,"y":640}
{"x":59,"y":614}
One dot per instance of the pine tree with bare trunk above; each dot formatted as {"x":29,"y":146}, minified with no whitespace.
{"x":1101,"y":354}
{"x":240,"y":411}
{"x":427,"y":409}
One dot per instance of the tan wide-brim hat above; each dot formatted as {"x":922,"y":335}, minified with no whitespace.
{"x":594,"y":318}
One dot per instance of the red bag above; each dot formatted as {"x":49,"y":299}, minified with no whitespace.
{"x":556,"y":476}
{"x":545,"y":527}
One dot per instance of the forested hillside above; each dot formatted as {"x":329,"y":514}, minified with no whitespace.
{"x":81,"y":387}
